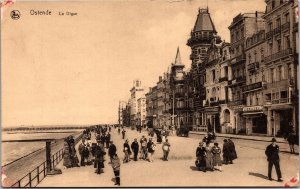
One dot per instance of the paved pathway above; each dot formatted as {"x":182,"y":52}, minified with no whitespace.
{"x":249,"y":169}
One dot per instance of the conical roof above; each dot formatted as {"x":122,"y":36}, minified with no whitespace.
{"x":178,"y":58}
{"x":204,"y":21}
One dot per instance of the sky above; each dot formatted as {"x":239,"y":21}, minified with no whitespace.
{"x":66,"y":69}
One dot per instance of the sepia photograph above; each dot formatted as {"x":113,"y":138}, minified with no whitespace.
{"x":149,"y":93}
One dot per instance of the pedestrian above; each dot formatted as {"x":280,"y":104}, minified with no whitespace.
{"x":112,"y":150}
{"x":226,"y":152}
{"x":216,"y":150}
{"x":201,"y":157}
{"x":116,"y":164}
{"x":103,"y":138}
{"x":163,"y":134}
{"x":144,"y":150}
{"x":209,"y":158}
{"x":272,"y":153}
{"x":119,"y":130}
{"x":233,"y":154}
{"x":135,"y":149}
{"x":107,"y":139}
{"x":99,"y":159}
{"x":292,"y":141}
{"x":151,"y":149}
{"x":67,"y":156}
{"x":127,"y":151}
{"x":123,"y":134}
{"x":81,"y":150}
{"x":166,"y":149}
{"x":206,"y":139}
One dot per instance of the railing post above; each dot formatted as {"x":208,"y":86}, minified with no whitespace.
{"x":38,"y":174}
{"x":48,"y":155}
{"x":29,"y":179}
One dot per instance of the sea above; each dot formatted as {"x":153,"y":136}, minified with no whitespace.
{"x":11,"y":151}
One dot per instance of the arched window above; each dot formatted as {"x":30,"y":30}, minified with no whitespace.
{"x":226,"y":116}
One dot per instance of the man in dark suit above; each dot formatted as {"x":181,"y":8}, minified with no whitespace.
{"x":272,"y":152}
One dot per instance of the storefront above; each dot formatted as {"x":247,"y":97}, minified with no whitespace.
{"x":256,"y":120}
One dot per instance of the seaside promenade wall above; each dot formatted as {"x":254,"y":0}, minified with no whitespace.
{"x":33,"y":166}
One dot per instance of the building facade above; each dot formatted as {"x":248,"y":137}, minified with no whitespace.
{"x":281,"y":67}
{"x":199,"y":42}
{"x":137,"y":91}
{"x":242,"y":27}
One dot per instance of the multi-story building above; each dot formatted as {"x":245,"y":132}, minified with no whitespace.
{"x":141,"y":111}
{"x":126,"y":115}
{"x":199,"y":41}
{"x":137,"y":91}
{"x":177,"y":95}
{"x":281,"y":66}
{"x":226,"y":120}
{"x":242,"y":27}
{"x":254,"y":112}
{"x":149,"y":109}
{"x":121,"y":112}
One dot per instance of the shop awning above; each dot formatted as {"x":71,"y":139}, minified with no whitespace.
{"x":253,"y":114}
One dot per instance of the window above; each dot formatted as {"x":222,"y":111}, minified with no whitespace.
{"x":287,"y":42}
{"x":242,"y":32}
{"x":278,"y":22}
{"x":289,"y":70}
{"x":249,"y":56}
{"x":213,"y":75}
{"x":273,"y":4}
{"x":278,"y":45}
{"x":255,"y":56}
{"x":280,"y":73}
{"x":283,"y":94}
{"x":287,"y":17}
{"x":271,"y":75}
{"x":250,"y":96}
{"x":226,"y":71}
{"x":257,"y":99}
{"x":270,"y":26}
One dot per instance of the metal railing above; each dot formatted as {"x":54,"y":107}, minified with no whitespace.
{"x":279,"y":101}
{"x":278,"y":55}
{"x":34,"y":177}
{"x":285,"y":26}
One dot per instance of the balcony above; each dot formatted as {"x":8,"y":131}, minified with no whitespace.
{"x":253,"y":66}
{"x":241,"y":57}
{"x":236,"y":102}
{"x":222,"y":101}
{"x":253,"y":86}
{"x":279,"y":101}
{"x":269,"y":35}
{"x":278,"y":55}
{"x":295,"y":27}
{"x":214,"y":103}
{"x":212,"y":62}
{"x":223,"y":79}
{"x":282,"y":83}
{"x":285,"y":26}
{"x":277,"y":31}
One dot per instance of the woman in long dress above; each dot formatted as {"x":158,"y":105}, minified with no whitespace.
{"x":201,"y":157}
{"x":216,"y":150}
{"x":67,"y":157}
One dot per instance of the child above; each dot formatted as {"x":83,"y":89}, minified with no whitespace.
{"x":116,"y":168}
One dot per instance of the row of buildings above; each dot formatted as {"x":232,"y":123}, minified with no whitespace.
{"x":246,"y":86}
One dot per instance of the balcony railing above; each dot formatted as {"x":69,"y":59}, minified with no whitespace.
{"x":240,"y":58}
{"x":279,"y":101}
{"x":269,"y":34}
{"x":277,"y":30}
{"x":280,"y":54}
{"x":253,"y":66}
{"x":281,"y":83}
{"x":236,"y":102}
{"x":223,"y":79}
{"x":295,"y":27}
{"x":252,"y":86}
{"x":285,"y":26}
{"x":214,"y":103}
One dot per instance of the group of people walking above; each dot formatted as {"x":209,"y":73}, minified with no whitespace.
{"x":146,"y":148}
{"x":70,"y":157}
{"x":208,"y":154}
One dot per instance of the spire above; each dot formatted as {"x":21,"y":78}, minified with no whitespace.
{"x":204,"y":21}
{"x":178,"y":58}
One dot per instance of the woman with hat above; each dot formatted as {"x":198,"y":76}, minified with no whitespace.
{"x":201,"y":157}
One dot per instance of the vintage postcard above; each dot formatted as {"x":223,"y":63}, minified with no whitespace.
{"x":150,"y":93}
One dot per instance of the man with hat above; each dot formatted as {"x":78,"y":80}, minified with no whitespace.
{"x":272,"y":152}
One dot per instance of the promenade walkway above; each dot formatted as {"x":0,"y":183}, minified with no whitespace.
{"x":180,"y":170}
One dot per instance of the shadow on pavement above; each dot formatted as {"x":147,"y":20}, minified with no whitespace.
{"x":259,"y":175}
{"x":194,"y":168}
{"x":288,"y":152}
